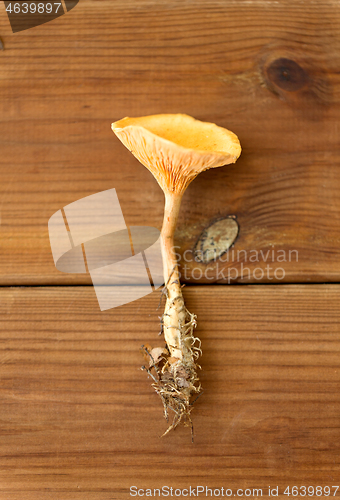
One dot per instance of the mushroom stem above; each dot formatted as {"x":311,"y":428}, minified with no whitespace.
{"x":171,"y":211}
{"x":178,"y":377}
{"x":174,"y":314}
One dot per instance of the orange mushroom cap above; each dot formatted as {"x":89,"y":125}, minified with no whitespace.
{"x":177,"y":147}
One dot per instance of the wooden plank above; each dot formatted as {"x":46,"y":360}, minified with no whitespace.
{"x":64,"y":82}
{"x":79,"y":420}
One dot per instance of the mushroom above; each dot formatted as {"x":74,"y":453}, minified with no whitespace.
{"x":176,"y":148}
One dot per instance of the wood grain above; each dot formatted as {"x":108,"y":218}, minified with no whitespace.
{"x":63,"y":83}
{"x":79,"y":420}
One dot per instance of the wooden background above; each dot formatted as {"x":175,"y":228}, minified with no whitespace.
{"x":78,"y":420}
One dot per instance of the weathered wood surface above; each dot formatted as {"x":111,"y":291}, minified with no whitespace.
{"x":79,"y":420}
{"x":269,"y":71}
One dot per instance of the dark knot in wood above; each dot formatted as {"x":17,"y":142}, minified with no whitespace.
{"x":287,"y":74}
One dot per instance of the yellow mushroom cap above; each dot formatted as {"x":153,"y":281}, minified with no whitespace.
{"x":177,"y":147}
